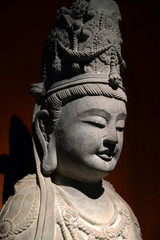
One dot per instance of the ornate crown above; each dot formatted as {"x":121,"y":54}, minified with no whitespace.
{"x":85,"y":41}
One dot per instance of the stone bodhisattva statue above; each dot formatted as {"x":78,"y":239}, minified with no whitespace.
{"x":78,"y":124}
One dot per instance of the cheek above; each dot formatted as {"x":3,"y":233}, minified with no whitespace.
{"x":88,"y":143}
{"x":79,"y":139}
{"x":120,"y":140}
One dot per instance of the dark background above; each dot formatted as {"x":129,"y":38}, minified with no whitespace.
{"x":24,"y":26}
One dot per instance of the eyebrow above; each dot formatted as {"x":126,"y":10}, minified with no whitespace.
{"x":95,"y":112}
{"x":102,"y":113}
{"x":122,"y":116}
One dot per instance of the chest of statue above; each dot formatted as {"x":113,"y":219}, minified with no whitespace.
{"x":72,"y":223}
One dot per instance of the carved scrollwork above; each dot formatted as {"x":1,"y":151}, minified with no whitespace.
{"x":77,"y":223}
{"x":13,"y":221}
{"x":81,"y":42}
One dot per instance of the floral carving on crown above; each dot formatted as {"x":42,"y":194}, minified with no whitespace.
{"x":86,"y":39}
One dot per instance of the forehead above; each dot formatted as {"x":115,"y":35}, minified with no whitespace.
{"x":93,"y":104}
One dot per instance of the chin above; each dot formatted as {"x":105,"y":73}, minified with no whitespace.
{"x":108,"y":167}
{"x":101,"y":170}
{"x":111,"y":165}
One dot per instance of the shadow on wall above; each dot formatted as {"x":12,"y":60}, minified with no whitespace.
{"x":3,"y":163}
{"x":20,"y":161}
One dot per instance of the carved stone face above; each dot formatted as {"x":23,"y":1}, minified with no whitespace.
{"x":89,"y":137}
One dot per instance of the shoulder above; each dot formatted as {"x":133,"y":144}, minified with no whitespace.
{"x":19,"y":215}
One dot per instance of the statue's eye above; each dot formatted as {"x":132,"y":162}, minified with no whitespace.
{"x":120,"y":125}
{"x":96,"y":124}
{"x":96,"y":121}
{"x":120,"y":129}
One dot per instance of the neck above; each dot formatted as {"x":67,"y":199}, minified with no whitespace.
{"x":91,"y":189}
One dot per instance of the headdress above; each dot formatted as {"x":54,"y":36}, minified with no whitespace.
{"x":84,"y":47}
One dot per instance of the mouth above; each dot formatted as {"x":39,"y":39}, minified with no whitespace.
{"x":106,"y":155}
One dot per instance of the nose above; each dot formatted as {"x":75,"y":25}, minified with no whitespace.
{"x":111,"y":139}
{"x":110,"y":144}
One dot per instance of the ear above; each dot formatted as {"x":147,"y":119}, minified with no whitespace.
{"x":47,"y":142}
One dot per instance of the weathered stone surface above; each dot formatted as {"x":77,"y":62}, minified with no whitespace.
{"x":20,"y":213}
{"x":78,"y":124}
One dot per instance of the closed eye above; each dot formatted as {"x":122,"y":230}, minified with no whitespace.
{"x":93,"y":123}
{"x":120,"y":129}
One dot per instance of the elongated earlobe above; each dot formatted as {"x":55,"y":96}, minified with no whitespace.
{"x":49,"y":164}
{"x":47,"y":142}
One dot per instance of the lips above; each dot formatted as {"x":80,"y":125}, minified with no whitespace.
{"x":106,"y":155}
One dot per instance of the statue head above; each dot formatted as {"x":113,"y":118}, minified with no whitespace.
{"x":80,"y":112}
{"x":89,"y":137}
